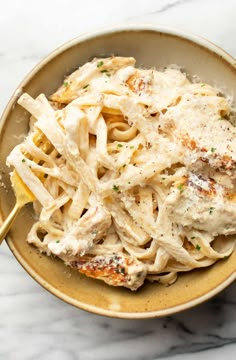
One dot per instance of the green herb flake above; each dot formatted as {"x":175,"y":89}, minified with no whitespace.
{"x":131,"y":147}
{"x":100,"y":63}
{"x":108,"y":75}
{"x":124,"y":165}
{"x":103,"y":71}
{"x":85,"y":86}
{"x":221,"y":118}
{"x":203,"y":85}
{"x":213,"y":149}
{"x":211,"y":210}
{"x":23,"y":160}
{"x":119,"y":145}
{"x":192,"y":237}
{"x":57,"y":241}
{"x":180,"y":187}
{"x":198,"y":247}
{"x":65,"y":83}
{"x":115,"y":188}
{"x":129,"y":182}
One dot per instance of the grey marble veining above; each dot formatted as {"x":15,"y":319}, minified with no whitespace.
{"x":33,"y":323}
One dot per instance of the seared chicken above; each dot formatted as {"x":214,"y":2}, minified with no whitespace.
{"x":201,"y":203}
{"x":116,"y":269}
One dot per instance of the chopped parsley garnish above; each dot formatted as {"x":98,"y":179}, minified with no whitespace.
{"x":203,"y":85}
{"x":211,"y":210}
{"x":119,"y":145}
{"x":213,"y":149}
{"x":103,"y":71}
{"x":23,"y":160}
{"x":180,"y":187}
{"x":108,"y":75}
{"x":198,"y":247}
{"x":100,"y":63}
{"x":115,"y":188}
{"x":129,"y":182}
{"x":221,"y":118}
{"x":192,"y":237}
{"x":85,"y":86}
{"x":57,"y":241}
{"x":65,"y":83}
{"x":131,"y":147}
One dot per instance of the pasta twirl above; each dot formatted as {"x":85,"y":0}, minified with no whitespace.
{"x":133,"y":172}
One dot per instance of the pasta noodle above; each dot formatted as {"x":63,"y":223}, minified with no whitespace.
{"x":133,"y":172}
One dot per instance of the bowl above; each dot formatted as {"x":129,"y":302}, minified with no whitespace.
{"x":152,"y":46}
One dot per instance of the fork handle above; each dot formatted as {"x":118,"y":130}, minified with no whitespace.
{"x":8,"y":222}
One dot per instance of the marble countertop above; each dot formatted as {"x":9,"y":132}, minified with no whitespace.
{"x":33,"y":323}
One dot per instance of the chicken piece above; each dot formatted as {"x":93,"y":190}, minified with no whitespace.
{"x":157,"y":79}
{"x":139,"y":81}
{"x":166,"y":87}
{"x":86,"y":232}
{"x":201,"y":203}
{"x":81,"y":80}
{"x":116,"y":269}
{"x":207,"y":137}
{"x":206,"y":155}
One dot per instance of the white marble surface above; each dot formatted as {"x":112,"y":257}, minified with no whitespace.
{"x":33,"y":323}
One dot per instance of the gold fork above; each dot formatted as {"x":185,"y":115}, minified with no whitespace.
{"x":23,"y":196}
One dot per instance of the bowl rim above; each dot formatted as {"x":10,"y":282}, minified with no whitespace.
{"x":201,"y":41}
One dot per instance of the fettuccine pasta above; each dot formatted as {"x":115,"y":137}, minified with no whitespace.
{"x":133,"y":172}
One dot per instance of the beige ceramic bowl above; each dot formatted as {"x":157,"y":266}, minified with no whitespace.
{"x":151,"y":46}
